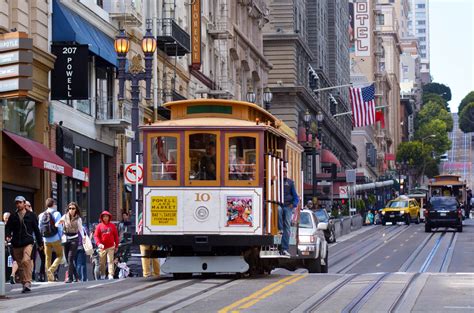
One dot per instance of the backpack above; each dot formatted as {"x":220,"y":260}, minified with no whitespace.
{"x":47,"y":225}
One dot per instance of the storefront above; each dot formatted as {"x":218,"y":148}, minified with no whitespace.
{"x":89,"y":184}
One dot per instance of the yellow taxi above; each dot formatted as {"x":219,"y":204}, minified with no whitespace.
{"x":401,"y":209}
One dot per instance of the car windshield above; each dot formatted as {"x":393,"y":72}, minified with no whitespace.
{"x":444,"y":203}
{"x":305,"y":220}
{"x":321,"y":215}
{"x":398,"y":204}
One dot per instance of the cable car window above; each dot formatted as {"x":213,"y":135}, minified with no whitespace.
{"x":163,"y":158}
{"x":242,"y":158}
{"x":202,"y":157}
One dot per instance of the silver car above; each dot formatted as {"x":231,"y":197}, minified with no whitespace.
{"x":312,"y":245}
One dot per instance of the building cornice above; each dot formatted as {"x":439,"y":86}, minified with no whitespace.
{"x":274,"y":37}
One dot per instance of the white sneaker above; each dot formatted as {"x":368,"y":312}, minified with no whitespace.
{"x":111,"y":277}
{"x":102,"y":277}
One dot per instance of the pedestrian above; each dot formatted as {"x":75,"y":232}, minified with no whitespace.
{"x":81,"y":264}
{"x":21,"y":230}
{"x":35,"y":247}
{"x":72,"y":229}
{"x":106,"y":239}
{"x":52,"y":237}
{"x":12,"y":263}
{"x":285,"y":213}
{"x":150,"y":263}
{"x":309,"y":205}
{"x":467,"y":210}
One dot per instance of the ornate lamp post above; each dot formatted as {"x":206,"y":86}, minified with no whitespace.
{"x":251,"y":97}
{"x":135,"y":74}
{"x":267,"y":98}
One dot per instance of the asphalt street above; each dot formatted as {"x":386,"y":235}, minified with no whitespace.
{"x":377,"y":269}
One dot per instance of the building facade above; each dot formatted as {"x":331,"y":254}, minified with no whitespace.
{"x":419,"y":27}
{"x":24,"y":113}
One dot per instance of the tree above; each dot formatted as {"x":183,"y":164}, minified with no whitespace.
{"x":431,"y":168}
{"x":467,"y":99}
{"x":415,"y":155}
{"x":466,"y":118}
{"x":431,"y":111}
{"x":432,"y":97}
{"x":439,"y":89}
{"x":440,"y":143}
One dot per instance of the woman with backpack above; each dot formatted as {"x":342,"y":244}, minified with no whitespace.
{"x":72,"y":228}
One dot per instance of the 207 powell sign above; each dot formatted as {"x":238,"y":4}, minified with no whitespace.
{"x":70,"y":76}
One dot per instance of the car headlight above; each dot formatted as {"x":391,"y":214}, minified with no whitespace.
{"x":383,"y":212}
{"x":402,"y":212}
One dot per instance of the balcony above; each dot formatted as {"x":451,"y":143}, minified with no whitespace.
{"x":128,"y":12}
{"x":172,"y":39}
{"x":114,"y":116}
{"x":219,"y":29}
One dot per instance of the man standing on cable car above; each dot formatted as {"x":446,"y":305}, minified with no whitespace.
{"x":291,"y":201}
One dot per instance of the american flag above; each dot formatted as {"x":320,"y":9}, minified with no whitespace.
{"x":363,"y":106}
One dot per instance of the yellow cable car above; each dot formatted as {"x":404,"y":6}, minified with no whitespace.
{"x":213,"y":182}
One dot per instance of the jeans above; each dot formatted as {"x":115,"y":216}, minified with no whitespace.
{"x":49,"y":247}
{"x":284,"y":224}
{"x":146,"y":266}
{"x":22,"y":256}
{"x":81,"y":264}
{"x":70,"y":250}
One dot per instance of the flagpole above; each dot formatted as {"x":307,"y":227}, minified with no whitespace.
{"x":350,"y":112}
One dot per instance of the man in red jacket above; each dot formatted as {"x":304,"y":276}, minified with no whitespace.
{"x":107,"y":240}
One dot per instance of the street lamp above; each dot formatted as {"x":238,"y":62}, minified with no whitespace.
{"x":307,"y":120}
{"x":135,"y":74}
{"x":251,"y":97}
{"x":267,"y":98}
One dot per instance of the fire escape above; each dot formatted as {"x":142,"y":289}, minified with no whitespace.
{"x":219,"y":29}
{"x":175,"y":42}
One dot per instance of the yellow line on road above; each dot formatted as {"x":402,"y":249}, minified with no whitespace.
{"x":262,"y":293}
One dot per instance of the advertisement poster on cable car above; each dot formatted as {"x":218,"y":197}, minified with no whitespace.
{"x":239,"y":211}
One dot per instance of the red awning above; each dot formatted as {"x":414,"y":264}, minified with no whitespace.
{"x":302,"y":137}
{"x":41,"y":156}
{"x":329,"y":157}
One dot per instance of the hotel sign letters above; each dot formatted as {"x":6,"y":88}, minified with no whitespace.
{"x":69,"y":77}
{"x":196,"y":34}
{"x":362,"y":28}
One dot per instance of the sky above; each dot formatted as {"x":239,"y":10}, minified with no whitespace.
{"x":452,"y":47}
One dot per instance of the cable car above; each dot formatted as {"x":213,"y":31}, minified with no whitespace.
{"x":213,"y":182}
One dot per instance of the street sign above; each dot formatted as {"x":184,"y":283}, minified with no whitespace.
{"x":343,"y":192}
{"x":132,"y":172}
{"x":351,"y":176}
{"x":129,"y":133}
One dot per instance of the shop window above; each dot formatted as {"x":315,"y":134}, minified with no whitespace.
{"x":202,"y":157}
{"x":19,"y":117}
{"x":104,"y":92}
{"x":164,"y":157}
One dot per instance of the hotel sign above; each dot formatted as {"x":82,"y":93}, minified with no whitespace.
{"x":196,"y":34}
{"x":70,"y":75}
{"x":362,"y":28}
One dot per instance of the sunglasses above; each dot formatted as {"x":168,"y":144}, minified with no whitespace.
{"x":72,"y":208}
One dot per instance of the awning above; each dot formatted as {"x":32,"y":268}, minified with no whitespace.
{"x":329,"y":157}
{"x":41,"y":156}
{"x":68,"y":26}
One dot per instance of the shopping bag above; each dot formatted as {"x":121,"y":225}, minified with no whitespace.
{"x":87,"y":244}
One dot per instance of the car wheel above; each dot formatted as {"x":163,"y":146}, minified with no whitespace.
{"x":324,"y":268}
{"x":460,"y":228}
{"x":313,"y":265}
{"x":417,"y":221}
{"x":407,"y":222}
{"x":427,"y":228}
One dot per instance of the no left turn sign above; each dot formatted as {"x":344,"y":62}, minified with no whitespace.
{"x":132,"y":173}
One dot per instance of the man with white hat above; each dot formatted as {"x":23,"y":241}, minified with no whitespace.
{"x":21,"y":230}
